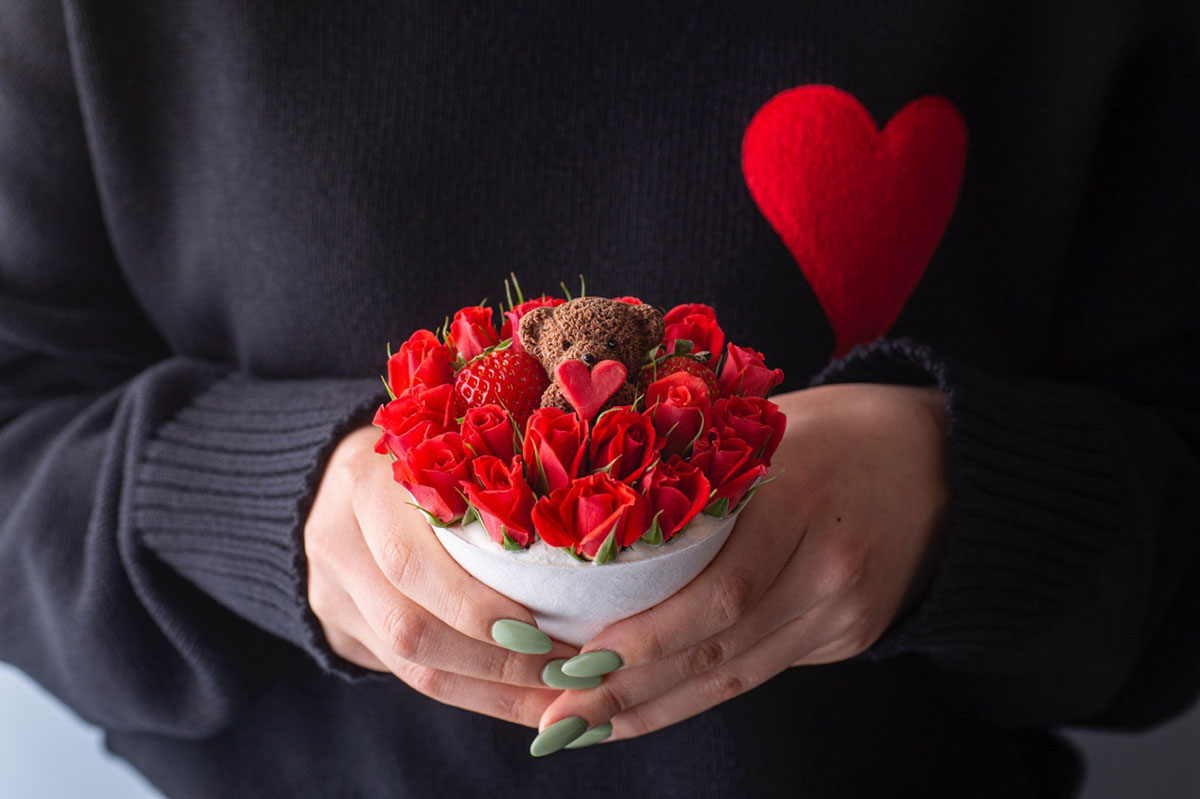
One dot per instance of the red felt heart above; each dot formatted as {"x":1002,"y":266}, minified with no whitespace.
{"x":860,"y":209}
{"x":587,"y":390}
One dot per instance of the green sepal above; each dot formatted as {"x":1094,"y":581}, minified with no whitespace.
{"x":654,"y":536}
{"x":608,"y":550}
{"x":759,"y":483}
{"x":683,"y":346}
{"x":433,"y":520}
{"x":541,"y":484}
{"x":571,"y":551}
{"x":391,"y":454}
{"x":387,"y":388}
{"x":509,"y":543}
{"x":471,"y":515}
{"x":718,"y":509}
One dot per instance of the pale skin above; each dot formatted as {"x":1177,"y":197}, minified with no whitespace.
{"x":820,"y":563}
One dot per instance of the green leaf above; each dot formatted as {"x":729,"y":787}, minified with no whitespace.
{"x":718,"y":509}
{"x":683,"y":346}
{"x":609,"y":549}
{"x":509,"y":543}
{"x":387,"y":387}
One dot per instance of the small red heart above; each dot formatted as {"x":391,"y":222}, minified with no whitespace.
{"x":861,"y":210}
{"x":587,"y":390}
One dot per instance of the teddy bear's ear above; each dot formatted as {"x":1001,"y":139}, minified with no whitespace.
{"x":649,"y":323}
{"x":529,"y":330}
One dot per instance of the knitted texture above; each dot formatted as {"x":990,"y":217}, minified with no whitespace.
{"x":225,"y":486}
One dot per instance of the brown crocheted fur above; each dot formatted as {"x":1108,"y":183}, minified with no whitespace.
{"x":592,"y":329}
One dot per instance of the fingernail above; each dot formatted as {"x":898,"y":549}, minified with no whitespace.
{"x":521,"y":637}
{"x":593,"y":736}
{"x":557,"y":735}
{"x":553,"y":676}
{"x":592,"y":664}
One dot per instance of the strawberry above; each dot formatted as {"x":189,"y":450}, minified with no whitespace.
{"x":670,"y":364}
{"x":509,"y":378}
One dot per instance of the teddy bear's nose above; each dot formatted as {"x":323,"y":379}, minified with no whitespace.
{"x":588,"y":358}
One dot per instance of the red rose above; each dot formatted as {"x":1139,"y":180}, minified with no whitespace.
{"x":471,"y":331}
{"x":414,"y":416}
{"x":677,"y":491}
{"x":755,"y":420}
{"x":679,"y":406}
{"x":512,"y":319}
{"x":584,"y":514}
{"x":629,"y":300}
{"x":698,"y":324}
{"x":488,"y":430}
{"x":502,"y":499}
{"x":624,"y":443}
{"x":729,"y":464}
{"x":555,"y":443}
{"x":746,"y":374}
{"x":432,"y":472}
{"x":421,"y":360}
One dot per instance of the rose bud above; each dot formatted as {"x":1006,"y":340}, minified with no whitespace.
{"x":745,"y":374}
{"x":471,"y":331}
{"x":502,"y":499}
{"x":488,"y":430}
{"x":414,"y":416}
{"x":594,"y":516}
{"x":555,"y":445}
{"x":422,"y":360}
{"x":512,"y":319}
{"x":623,"y":443}
{"x":432,"y":472}
{"x":679,"y":406}
{"x":695,"y":323}
{"x":730,"y":466}
{"x":677,"y":492}
{"x":755,"y":420}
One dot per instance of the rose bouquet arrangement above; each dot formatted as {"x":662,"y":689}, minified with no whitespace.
{"x":583,"y":425}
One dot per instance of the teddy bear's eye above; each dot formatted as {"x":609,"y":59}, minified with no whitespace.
{"x":612,"y":343}
{"x":566,"y":344}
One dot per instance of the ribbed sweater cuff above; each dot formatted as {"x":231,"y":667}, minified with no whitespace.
{"x":1035,"y":485}
{"x":224,"y":489}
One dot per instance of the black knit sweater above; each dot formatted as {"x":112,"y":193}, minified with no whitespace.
{"x":214,"y":214}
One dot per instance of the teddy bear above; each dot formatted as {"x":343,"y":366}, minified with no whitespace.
{"x":591,"y":331}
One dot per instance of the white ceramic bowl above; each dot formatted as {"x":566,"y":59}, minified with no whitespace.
{"x":572,"y":601}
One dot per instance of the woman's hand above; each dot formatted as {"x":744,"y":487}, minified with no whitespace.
{"x":389,"y":598}
{"x":820,"y":563}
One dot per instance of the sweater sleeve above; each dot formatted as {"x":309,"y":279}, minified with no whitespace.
{"x":151,"y":505}
{"x":1068,"y":573}
{"x":1068,"y":584}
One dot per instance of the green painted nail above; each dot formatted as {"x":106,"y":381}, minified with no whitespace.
{"x":553,"y":676}
{"x":521,"y":637}
{"x":557,"y":735}
{"x":593,"y":736}
{"x":592,"y":664}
